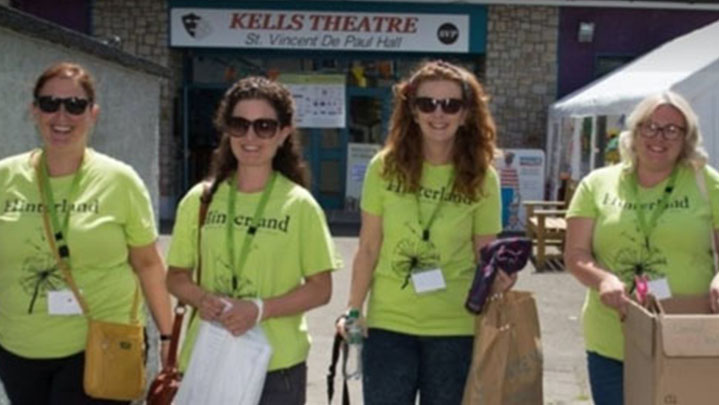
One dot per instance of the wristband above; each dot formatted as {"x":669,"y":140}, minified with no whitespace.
{"x":260,"y":308}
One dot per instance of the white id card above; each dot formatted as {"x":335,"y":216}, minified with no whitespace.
{"x":62,"y":302}
{"x":659,"y":288}
{"x":428,"y":280}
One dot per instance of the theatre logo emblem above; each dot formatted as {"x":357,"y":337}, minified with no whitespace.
{"x":447,"y":33}
{"x":196,"y":26}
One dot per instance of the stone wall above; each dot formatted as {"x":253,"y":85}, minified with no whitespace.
{"x":140,"y":27}
{"x":521,"y":73}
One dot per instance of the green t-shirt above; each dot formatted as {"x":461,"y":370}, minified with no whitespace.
{"x":292,"y":242}
{"x":679,"y":246}
{"x":110,"y":212}
{"x":393,"y":303}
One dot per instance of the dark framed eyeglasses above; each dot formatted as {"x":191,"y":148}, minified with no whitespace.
{"x":264,"y":127}
{"x":670,"y":132}
{"x":73,"y":105}
{"x":428,"y":105}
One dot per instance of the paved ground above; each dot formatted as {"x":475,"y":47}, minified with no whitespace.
{"x":559,"y":299}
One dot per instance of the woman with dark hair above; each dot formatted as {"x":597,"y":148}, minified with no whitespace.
{"x":257,"y":180}
{"x":430,"y":202}
{"x":103,"y":226}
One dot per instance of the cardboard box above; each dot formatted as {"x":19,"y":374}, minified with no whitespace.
{"x":671,"y":353}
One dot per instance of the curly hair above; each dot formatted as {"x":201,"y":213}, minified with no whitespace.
{"x":474,"y":142}
{"x":288,"y":159}
{"x":692,"y":153}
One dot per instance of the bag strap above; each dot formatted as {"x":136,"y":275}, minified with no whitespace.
{"x":338,"y":345}
{"x":701,"y":183}
{"x":180,"y":309}
{"x":63,"y":265}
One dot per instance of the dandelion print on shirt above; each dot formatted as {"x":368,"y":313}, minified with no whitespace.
{"x":635,"y":259}
{"x":40,"y":273}
{"x":413,"y":253}
{"x":224,"y":282}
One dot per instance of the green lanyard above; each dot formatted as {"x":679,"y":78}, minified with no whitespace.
{"x":251,"y":230}
{"x":647,"y":228}
{"x":59,"y":232}
{"x":433,"y":216}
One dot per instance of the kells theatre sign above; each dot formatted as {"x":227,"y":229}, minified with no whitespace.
{"x":326,"y":30}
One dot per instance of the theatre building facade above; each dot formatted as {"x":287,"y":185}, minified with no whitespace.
{"x":341,"y":58}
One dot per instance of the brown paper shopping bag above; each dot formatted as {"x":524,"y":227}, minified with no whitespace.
{"x":507,"y":359}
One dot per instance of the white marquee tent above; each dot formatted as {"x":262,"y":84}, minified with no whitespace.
{"x":688,"y":65}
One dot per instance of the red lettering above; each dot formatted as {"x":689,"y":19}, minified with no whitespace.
{"x":393,"y":24}
{"x":332,"y":23}
{"x":352,"y":23}
{"x":349,"y":23}
{"x":254,"y":21}
{"x":315,"y":20}
{"x":296,"y":22}
{"x":237,"y":21}
{"x":410,"y":25}
{"x":266,"y":22}
{"x":378,"y":23}
{"x":364,"y":25}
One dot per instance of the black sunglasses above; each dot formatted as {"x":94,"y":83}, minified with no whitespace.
{"x":73,"y":105}
{"x":428,"y":105}
{"x":264,"y":127}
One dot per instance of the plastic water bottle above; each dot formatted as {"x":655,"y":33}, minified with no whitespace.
{"x":353,"y":366}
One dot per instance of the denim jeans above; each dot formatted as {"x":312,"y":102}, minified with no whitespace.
{"x":287,"y":386}
{"x":397,"y":367}
{"x":606,"y":377}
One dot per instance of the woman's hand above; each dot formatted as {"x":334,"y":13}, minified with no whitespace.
{"x":714,"y":294}
{"x":341,"y":324}
{"x":503,"y":282}
{"x":210,"y":307}
{"x":613,"y":294}
{"x":240,"y":317}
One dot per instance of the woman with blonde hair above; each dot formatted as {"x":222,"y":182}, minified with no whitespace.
{"x":430,"y":201}
{"x":645,"y":219}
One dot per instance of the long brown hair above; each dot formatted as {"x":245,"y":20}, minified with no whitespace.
{"x":474,"y":142}
{"x":288,"y":159}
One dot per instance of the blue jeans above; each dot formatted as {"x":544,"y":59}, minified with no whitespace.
{"x":606,"y":377}
{"x":397,"y":366}
{"x":287,"y":386}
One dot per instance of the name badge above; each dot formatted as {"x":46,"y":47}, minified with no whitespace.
{"x":660,"y":288}
{"x":62,"y":302}
{"x":425,"y":281}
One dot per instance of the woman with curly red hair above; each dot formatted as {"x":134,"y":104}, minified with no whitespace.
{"x":430,"y":201}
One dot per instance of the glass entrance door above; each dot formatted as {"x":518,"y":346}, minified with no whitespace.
{"x":324,"y":150}
{"x":368,"y":114}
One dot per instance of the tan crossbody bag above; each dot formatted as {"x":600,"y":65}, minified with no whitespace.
{"x":114,"y":352}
